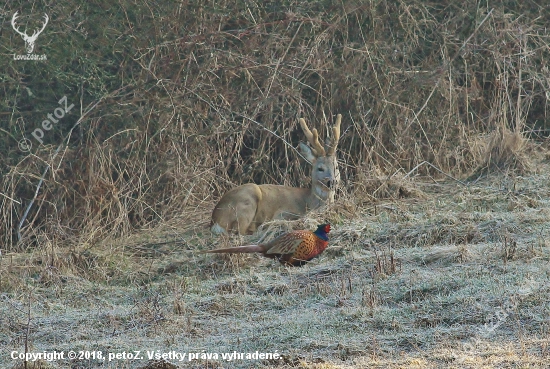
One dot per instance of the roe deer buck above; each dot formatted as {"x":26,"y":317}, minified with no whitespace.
{"x":244,"y":208}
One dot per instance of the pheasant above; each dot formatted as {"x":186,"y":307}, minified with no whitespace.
{"x":295,"y":248}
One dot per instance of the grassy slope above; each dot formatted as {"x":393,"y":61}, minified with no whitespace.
{"x":449,"y":299}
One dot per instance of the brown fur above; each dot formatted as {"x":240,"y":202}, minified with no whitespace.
{"x":246,"y":207}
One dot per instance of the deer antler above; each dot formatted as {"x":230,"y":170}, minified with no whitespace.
{"x":335,"y":135}
{"x":46,"y":19}
{"x":15,"y":27}
{"x":313,"y":138}
{"x":35,"y":33}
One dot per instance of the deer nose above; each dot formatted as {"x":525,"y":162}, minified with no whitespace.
{"x":331,"y":183}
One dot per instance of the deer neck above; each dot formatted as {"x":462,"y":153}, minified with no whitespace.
{"x":319,"y":195}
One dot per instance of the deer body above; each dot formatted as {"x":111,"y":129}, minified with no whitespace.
{"x":246,"y":207}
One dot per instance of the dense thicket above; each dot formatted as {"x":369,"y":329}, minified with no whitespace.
{"x":177,"y":101}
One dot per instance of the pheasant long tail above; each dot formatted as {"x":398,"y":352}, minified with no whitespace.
{"x":238,"y":250}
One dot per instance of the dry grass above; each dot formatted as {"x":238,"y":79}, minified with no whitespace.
{"x":451,"y":279}
{"x":198,"y":99}
{"x":176,"y":103}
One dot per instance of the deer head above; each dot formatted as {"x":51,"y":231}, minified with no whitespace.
{"x":325,"y":175}
{"x":29,"y":40}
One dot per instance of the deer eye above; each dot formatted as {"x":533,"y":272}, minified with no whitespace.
{"x":320,"y":169}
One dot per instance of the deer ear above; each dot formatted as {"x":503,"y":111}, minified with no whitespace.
{"x":306,"y":151}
